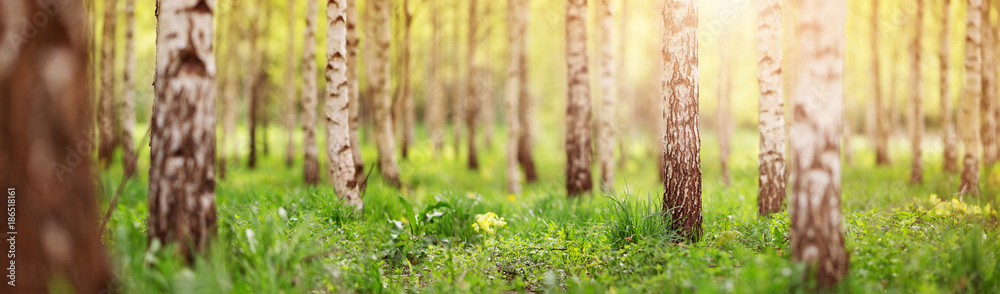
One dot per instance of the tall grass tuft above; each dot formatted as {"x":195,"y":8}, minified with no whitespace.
{"x":630,"y":219}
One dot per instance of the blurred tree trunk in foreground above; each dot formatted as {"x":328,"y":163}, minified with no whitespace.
{"x":384,"y":138}
{"x":354,"y":105}
{"x":771,"y":120}
{"x":989,"y":106}
{"x":579,"y":155}
{"x":291,"y":100}
{"x":606,"y":113}
{"x":917,"y":99}
{"x":309,"y":99}
{"x":106,"y":111}
{"x":816,"y":237}
{"x":950,"y":155}
{"x":46,"y":150}
{"x":681,"y":137}
{"x":182,"y":169}
{"x":338,"y":142}
{"x":128,"y":83}
{"x":969,"y":120}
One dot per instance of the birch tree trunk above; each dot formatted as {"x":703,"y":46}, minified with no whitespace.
{"x":384,"y":138}
{"x":969,"y":120}
{"x":524,"y":103}
{"x":606,"y":115}
{"x":947,"y":120}
{"x":128,"y":82}
{"x":338,"y":143}
{"x":816,"y":237}
{"x":182,"y":169}
{"x":517,"y":26}
{"x":290,"y":89}
{"x":354,"y":105}
{"x":471,"y":100}
{"x":917,"y":102}
{"x":405,"y":100}
{"x":681,"y":138}
{"x":106,"y":112}
{"x":722,"y":115}
{"x":579,"y":153}
{"x":46,"y":151}
{"x":771,"y":120}
{"x":989,"y":104}
{"x":309,"y":99}
{"x":435,"y":96}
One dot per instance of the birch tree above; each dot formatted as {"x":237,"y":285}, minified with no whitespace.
{"x":947,"y":121}
{"x":816,"y":237}
{"x":517,"y":26}
{"x":917,"y":100}
{"x":989,"y":105}
{"x":681,"y":138}
{"x":354,"y":105}
{"x":290,"y":89}
{"x":969,"y":120}
{"x":182,"y":165}
{"x":384,"y":138}
{"x":606,"y":114}
{"x":579,"y":152}
{"x":309,"y":99}
{"x":338,"y":142}
{"x":771,"y":120}
{"x":128,"y":83}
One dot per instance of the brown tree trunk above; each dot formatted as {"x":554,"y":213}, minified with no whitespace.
{"x":771,"y":120}
{"x":354,"y":105}
{"x":681,"y":138}
{"x":250,"y":86}
{"x":816,"y":237}
{"x":606,"y":115}
{"x":472,"y":82}
{"x":989,"y":104}
{"x":917,"y":102}
{"x":970,"y":103}
{"x":517,"y":26}
{"x":881,"y":116}
{"x":46,"y":151}
{"x":128,"y":82}
{"x":182,"y":169}
{"x":290,"y":89}
{"x":722,"y":115}
{"x":338,"y":144}
{"x":309,"y":99}
{"x":947,"y":120}
{"x":579,"y":153}
{"x":406,"y":106}
{"x":384,"y":139}
{"x":524,"y":106}
{"x":106,"y":113}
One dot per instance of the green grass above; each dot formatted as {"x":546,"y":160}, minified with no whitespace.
{"x":275,"y":235}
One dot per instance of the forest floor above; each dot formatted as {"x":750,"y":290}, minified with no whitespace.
{"x":276,"y":235}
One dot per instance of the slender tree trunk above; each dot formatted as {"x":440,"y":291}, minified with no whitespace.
{"x":460,"y":83}
{"x":182,"y":169}
{"x":46,"y":152}
{"x":524,"y":104}
{"x":354,"y":105}
{"x":771,"y":120}
{"x":681,"y":138}
{"x":579,"y":153}
{"x":917,"y":102}
{"x":606,"y":115}
{"x":722,"y":114}
{"x":881,"y":120}
{"x":406,"y":106}
{"x":106,"y":147}
{"x":816,"y":237}
{"x":624,"y":114}
{"x":309,"y":99}
{"x":384,"y":138}
{"x":989,"y":104}
{"x":338,"y":144}
{"x":471,"y":100}
{"x":250,"y":87}
{"x":128,"y":82}
{"x":947,"y":120}
{"x":515,"y":37}
{"x":970,"y":103}
{"x":291,"y":100}
{"x":435,"y":96}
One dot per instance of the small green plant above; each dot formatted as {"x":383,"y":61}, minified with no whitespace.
{"x":630,"y":219}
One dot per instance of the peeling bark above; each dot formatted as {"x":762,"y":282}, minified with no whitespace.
{"x":970,"y":103}
{"x":182,"y":169}
{"x":772,"y":178}
{"x":309,"y":100}
{"x":338,"y":143}
{"x":579,"y":153}
{"x":681,"y":138}
{"x":816,"y":236}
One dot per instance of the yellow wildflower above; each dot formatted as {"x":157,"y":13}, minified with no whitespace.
{"x":511,"y":197}
{"x":488,"y":222}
